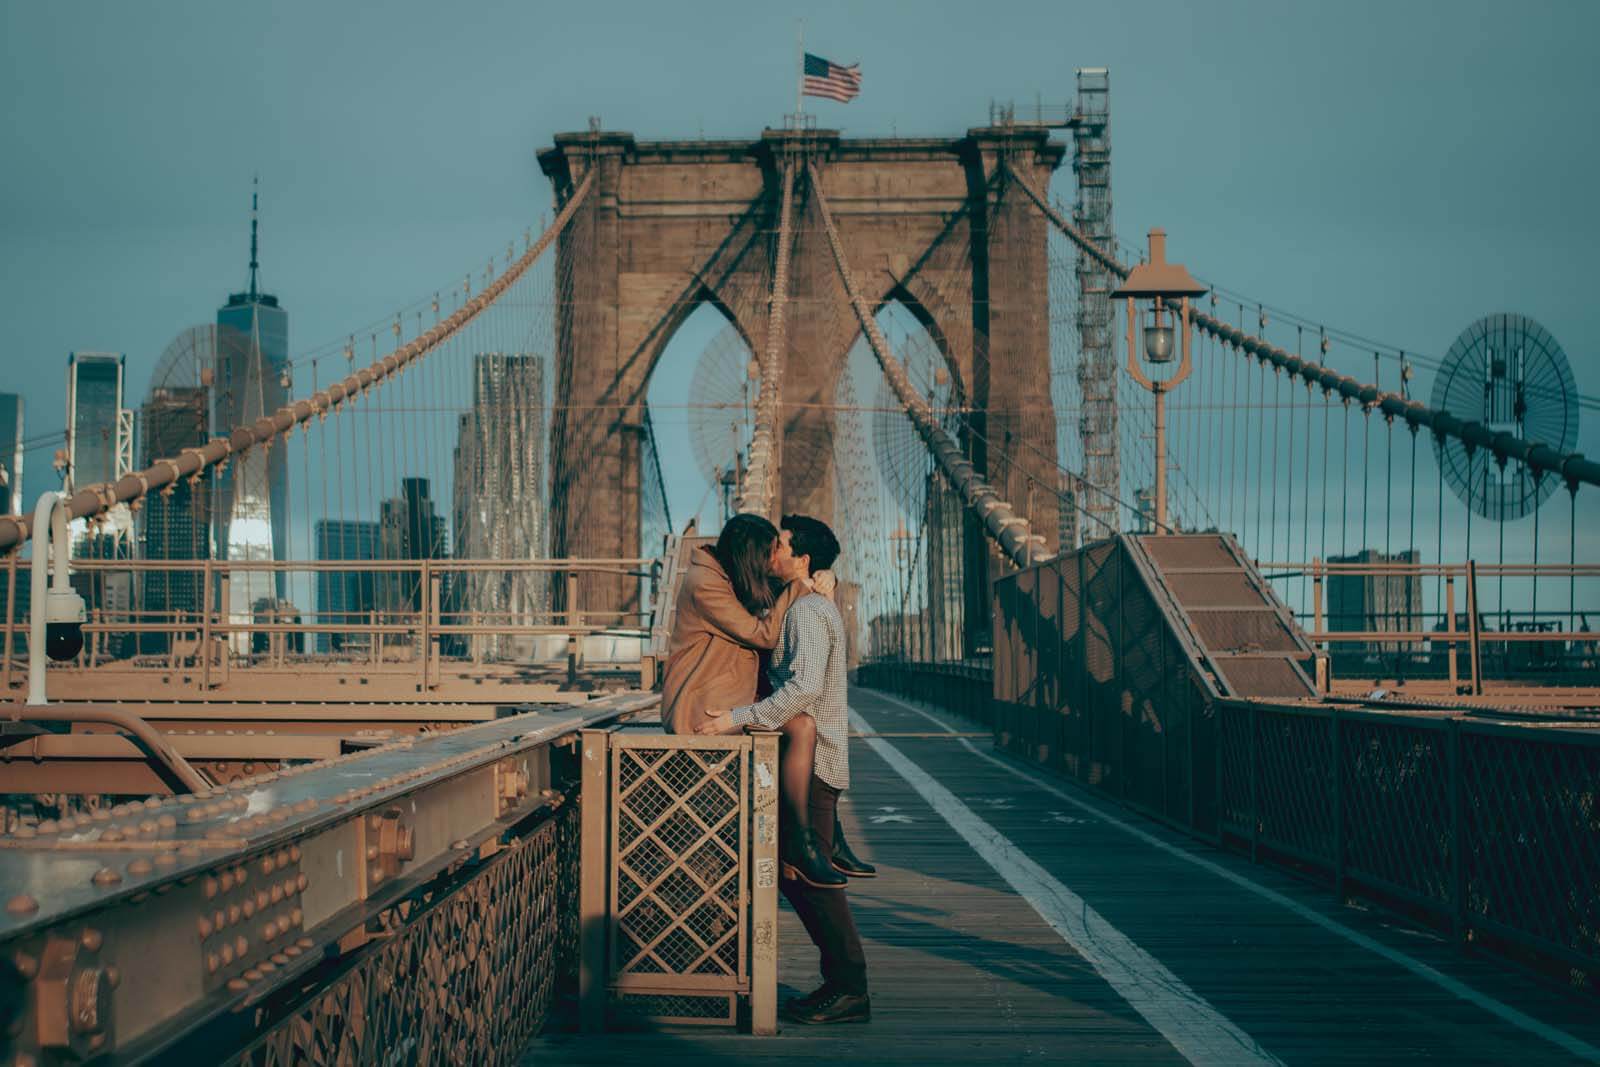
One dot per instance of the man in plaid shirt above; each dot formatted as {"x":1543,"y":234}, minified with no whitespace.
{"x":808,"y":678}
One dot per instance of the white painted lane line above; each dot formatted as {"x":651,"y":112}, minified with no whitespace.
{"x":1522,"y":1020}
{"x":1191,"y":1025}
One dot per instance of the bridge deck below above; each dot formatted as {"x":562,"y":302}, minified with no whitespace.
{"x":1019,"y":917}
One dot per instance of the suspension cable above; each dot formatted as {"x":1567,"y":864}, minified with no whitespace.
{"x":98,"y":499}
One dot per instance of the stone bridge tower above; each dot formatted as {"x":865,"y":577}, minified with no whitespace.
{"x":930,"y":222}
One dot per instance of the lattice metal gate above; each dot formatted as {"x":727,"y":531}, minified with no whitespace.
{"x":679,"y":878}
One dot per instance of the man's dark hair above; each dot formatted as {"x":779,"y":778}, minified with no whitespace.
{"x":811,"y":537}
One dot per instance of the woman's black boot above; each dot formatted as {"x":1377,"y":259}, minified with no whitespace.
{"x":805,"y":862}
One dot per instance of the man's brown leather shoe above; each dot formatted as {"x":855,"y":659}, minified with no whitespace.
{"x":835,"y":1007}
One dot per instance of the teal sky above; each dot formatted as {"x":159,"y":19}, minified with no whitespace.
{"x":1396,"y":169}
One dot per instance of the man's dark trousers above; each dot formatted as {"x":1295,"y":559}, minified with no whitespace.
{"x":826,"y":912}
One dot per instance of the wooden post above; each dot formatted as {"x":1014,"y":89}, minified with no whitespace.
{"x":764,"y":898}
{"x":593,"y":860}
{"x":424,"y":617}
{"x":11,"y":619}
{"x":435,"y":647}
{"x":1472,"y":627}
{"x":1316,"y":599}
{"x":1450,"y":625}
{"x":206,"y":607}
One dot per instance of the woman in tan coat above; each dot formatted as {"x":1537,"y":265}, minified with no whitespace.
{"x":726,"y":615}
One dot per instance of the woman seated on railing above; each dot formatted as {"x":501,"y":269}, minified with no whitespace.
{"x":727,"y":613}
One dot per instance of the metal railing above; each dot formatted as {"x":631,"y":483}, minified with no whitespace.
{"x":1383,"y":626}
{"x":388,"y":617}
{"x":416,"y":901}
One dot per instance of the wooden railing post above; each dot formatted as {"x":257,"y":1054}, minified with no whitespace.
{"x":764,"y":902}
{"x":593,"y":862}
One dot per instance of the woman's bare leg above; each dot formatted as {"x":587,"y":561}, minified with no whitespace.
{"x":796,"y":764}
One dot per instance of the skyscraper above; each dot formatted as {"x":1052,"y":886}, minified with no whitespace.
{"x":409,"y":528}
{"x":499,"y":503}
{"x":176,"y":523}
{"x":251,"y":515}
{"x":99,"y":450}
{"x":11,"y":502}
{"x":345,"y":598}
{"x":95,"y":426}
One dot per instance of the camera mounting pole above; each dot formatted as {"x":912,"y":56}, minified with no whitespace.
{"x":57,"y":613}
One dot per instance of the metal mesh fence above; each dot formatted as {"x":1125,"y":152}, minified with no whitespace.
{"x":1491,"y":830}
{"x":679,"y":858}
{"x":468,"y":977}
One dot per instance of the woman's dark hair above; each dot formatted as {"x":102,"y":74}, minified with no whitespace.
{"x":745,"y":552}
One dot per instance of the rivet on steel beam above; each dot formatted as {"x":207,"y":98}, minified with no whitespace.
{"x":97,"y":1042}
{"x":219,"y":919}
{"x":269,"y":931}
{"x":91,"y":939}
{"x":148,"y":827}
{"x":277,"y":894}
{"x":234,"y":912}
{"x":111,"y":835}
{"x":22,"y":904}
{"x":261,"y":899}
{"x":301,"y":881}
{"x":237,"y":985}
{"x":212,"y":962}
{"x":113,"y":977}
{"x":26,"y":965}
{"x":249,"y":908}
{"x":101,"y":815}
{"x":266,"y":966}
{"x":286,"y":855}
{"x":240,"y":945}
{"x":225,"y":883}
{"x":252,"y":975}
{"x":140,"y":867}
{"x":152,"y":802}
{"x":105,"y":877}
{"x":268,"y":863}
{"x":166,"y":821}
{"x":227,"y":954}
{"x":296,"y":917}
{"x":203,"y":924}
{"x":166,"y":859}
{"x":282,"y":958}
{"x":305,"y":943}
{"x":48,"y":826}
{"x":239,"y":874}
{"x":195,"y":814}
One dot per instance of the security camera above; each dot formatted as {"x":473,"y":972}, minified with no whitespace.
{"x":64,"y":616}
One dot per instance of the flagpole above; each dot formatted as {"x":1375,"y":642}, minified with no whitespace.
{"x":800,"y":72}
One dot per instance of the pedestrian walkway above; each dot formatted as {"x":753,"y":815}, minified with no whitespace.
{"x":1021,"y":918}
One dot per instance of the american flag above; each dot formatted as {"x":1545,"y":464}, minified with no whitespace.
{"x":831,"y":80}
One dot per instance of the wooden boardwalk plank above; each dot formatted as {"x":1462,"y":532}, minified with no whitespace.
{"x":962,"y":967}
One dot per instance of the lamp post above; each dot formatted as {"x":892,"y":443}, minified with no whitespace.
{"x":1156,"y":292}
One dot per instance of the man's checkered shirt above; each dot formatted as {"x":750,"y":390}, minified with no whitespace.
{"x":808,"y":675}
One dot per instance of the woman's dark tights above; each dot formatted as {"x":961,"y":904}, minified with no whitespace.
{"x":796,"y":763}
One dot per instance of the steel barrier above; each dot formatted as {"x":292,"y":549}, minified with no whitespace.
{"x":415,"y":902}
{"x":680,"y":872}
{"x":1488,"y":831}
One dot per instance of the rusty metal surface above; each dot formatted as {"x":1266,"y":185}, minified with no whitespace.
{"x":214,"y":900}
{"x":468,"y":977}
